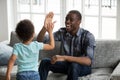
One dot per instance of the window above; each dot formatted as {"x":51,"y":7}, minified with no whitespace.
{"x":99,"y":16}
{"x":35,"y":10}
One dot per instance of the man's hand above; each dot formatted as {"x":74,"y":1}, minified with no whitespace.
{"x":48,"y":19}
{"x":57,"y":58}
{"x":48,"y":26}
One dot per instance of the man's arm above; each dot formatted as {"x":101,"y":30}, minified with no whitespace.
{"x":41,"y":35}
{"x":48,"y":20}
{"x":80,"y":60}
{"x":85,"y":60}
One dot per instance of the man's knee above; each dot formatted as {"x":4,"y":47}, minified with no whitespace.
{"x":45,"y":61}
{"x":74,"y":67}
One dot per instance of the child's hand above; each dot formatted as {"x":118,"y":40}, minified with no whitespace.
{"x":50,"y":27}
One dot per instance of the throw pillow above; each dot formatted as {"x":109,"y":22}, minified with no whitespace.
{"x":5,"y":53}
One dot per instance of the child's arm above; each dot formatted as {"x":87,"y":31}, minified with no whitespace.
{"x":51,"y":44}
{"x":10,"y":66}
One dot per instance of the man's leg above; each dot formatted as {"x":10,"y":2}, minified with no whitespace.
{"x":76,"y":70}
{"x":46,"y":66}
{"x":59,"y":67}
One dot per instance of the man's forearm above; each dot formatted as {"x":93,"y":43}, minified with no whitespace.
{"x":80,"y":60}
{"x":41,"y":34}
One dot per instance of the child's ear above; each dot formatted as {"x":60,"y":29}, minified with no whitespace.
{"x":33,"y":34}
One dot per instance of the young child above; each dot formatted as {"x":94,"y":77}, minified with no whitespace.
{"x":27,"y":51}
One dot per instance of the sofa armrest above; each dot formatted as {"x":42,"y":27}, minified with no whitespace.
{"x":116,"y":73}
{"x":5,"y":42}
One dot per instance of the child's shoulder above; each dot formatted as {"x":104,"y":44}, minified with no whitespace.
{"x":17,"y":44}
{"x":36,"y":42}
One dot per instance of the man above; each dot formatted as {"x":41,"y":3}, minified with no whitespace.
{"x":72,"y":61}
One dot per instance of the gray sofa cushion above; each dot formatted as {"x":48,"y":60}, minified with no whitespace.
{"x":56,"y":76}
{"x":5,"y":53}
{"x":107,"y":53}
{"x":13,"y":38}
{"x":116,"y":73}
{"x":3,"y":70}
{"x":98,"y":74}
{"x":50,"y":53}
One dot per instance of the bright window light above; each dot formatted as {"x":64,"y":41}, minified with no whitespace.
{"x":97,"y":15}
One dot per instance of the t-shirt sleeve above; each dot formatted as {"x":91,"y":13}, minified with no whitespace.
{"x":15,"y":50}
{"x":39,"y":45}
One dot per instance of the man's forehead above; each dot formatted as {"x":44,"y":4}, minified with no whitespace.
{"x":71,"y":15}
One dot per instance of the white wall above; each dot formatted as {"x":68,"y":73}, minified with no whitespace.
{"x":6,"y":19}
{"x":3,"y":20}
{"x":118,"y":19}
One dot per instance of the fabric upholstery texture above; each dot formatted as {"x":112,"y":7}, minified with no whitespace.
{"x":107,"y":53}
{"x":5,"y":53}
{"x":3,"y":72}
{"x":13,"y":38}
{"x":116,"y":73}
{"x":106,"y":58}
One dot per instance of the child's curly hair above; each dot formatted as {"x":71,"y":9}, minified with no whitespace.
{"x":25,"y":30}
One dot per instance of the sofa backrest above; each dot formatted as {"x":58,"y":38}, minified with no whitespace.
{"x":107,"y":52}
{"x":50,"y":53}
{"x":14,"y":39}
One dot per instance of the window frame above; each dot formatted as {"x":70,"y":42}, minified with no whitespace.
{"x":63,"y":12}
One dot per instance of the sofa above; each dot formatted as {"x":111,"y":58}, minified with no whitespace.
{"x":106,"y":65}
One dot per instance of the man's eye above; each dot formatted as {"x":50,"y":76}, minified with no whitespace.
{"x":67,"y":19}
{"x":71,"y":20}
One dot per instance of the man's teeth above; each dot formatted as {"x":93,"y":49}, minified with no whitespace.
{"x":68,"y":25}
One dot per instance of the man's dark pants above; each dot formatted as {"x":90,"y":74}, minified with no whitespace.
{"x":73,"y":70}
